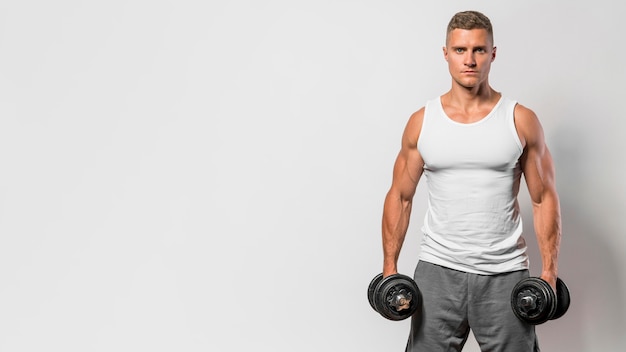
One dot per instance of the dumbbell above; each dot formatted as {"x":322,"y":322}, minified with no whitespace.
{"x":534,"y":302}
{"x":395,"y":297}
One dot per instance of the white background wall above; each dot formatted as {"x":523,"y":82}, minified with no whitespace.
{"x":209,"y":176}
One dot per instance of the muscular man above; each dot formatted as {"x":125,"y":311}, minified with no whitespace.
{"x":472,"y":144}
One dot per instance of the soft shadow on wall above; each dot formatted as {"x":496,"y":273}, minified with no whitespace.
{"x":588,"y":261}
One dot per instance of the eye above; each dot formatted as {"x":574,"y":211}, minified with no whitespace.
{"x":480,"y":50}
{"x":459,"y":50}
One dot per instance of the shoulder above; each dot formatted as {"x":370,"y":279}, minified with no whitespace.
{"x":417,"y":117}
{"x":527,"y":124}
{"x":414,"y":127}
{"x":523,"y":112}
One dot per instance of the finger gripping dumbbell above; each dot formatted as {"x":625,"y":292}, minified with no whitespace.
{"x":534,"y":301}
{"x":395,"y":297}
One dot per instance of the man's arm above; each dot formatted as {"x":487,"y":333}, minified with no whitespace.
{"x":538,"y":169}
{"x":407,"y":171}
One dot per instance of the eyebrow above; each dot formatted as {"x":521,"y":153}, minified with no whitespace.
{"x":465,"y":47}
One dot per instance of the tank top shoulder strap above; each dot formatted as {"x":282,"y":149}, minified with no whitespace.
{"x":508,"y":106}
{"x":431,"y":114}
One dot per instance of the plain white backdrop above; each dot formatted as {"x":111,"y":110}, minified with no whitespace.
{"x":209,"y":175}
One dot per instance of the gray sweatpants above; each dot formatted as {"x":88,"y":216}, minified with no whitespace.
{"x":455,"y":301}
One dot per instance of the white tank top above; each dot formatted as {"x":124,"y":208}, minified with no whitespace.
{"x":473,"y":222}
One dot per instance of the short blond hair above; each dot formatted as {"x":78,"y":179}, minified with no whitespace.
{"x":470,"y":20}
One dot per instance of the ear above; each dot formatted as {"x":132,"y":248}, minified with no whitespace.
{"x":493,"y":53}
{"x":445,"y":53}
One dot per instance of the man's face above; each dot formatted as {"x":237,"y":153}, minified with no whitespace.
{"x":469,"y":53}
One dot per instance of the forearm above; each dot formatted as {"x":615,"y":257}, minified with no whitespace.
{"x":547,"y":216}
{"x":396,"y":215}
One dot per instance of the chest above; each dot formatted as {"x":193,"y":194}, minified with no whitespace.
{"x":489,"y":144}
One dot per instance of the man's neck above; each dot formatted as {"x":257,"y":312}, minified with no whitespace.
{"x":466,"y":105}
{"x":466,"y":98}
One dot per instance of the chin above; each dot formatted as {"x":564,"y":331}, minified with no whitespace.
{"x":468,"y":83}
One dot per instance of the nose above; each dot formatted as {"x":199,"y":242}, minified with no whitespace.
{"x":469,"y":60}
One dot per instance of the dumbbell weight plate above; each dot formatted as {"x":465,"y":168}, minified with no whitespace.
{"x":372,"y":288}
{"x":390,"y":287}
{"x":562,"y":299}
{"x":533,"y":301}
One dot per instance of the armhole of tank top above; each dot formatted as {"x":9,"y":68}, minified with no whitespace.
{"x":427,"y":107}
{"x":512,"y":127}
